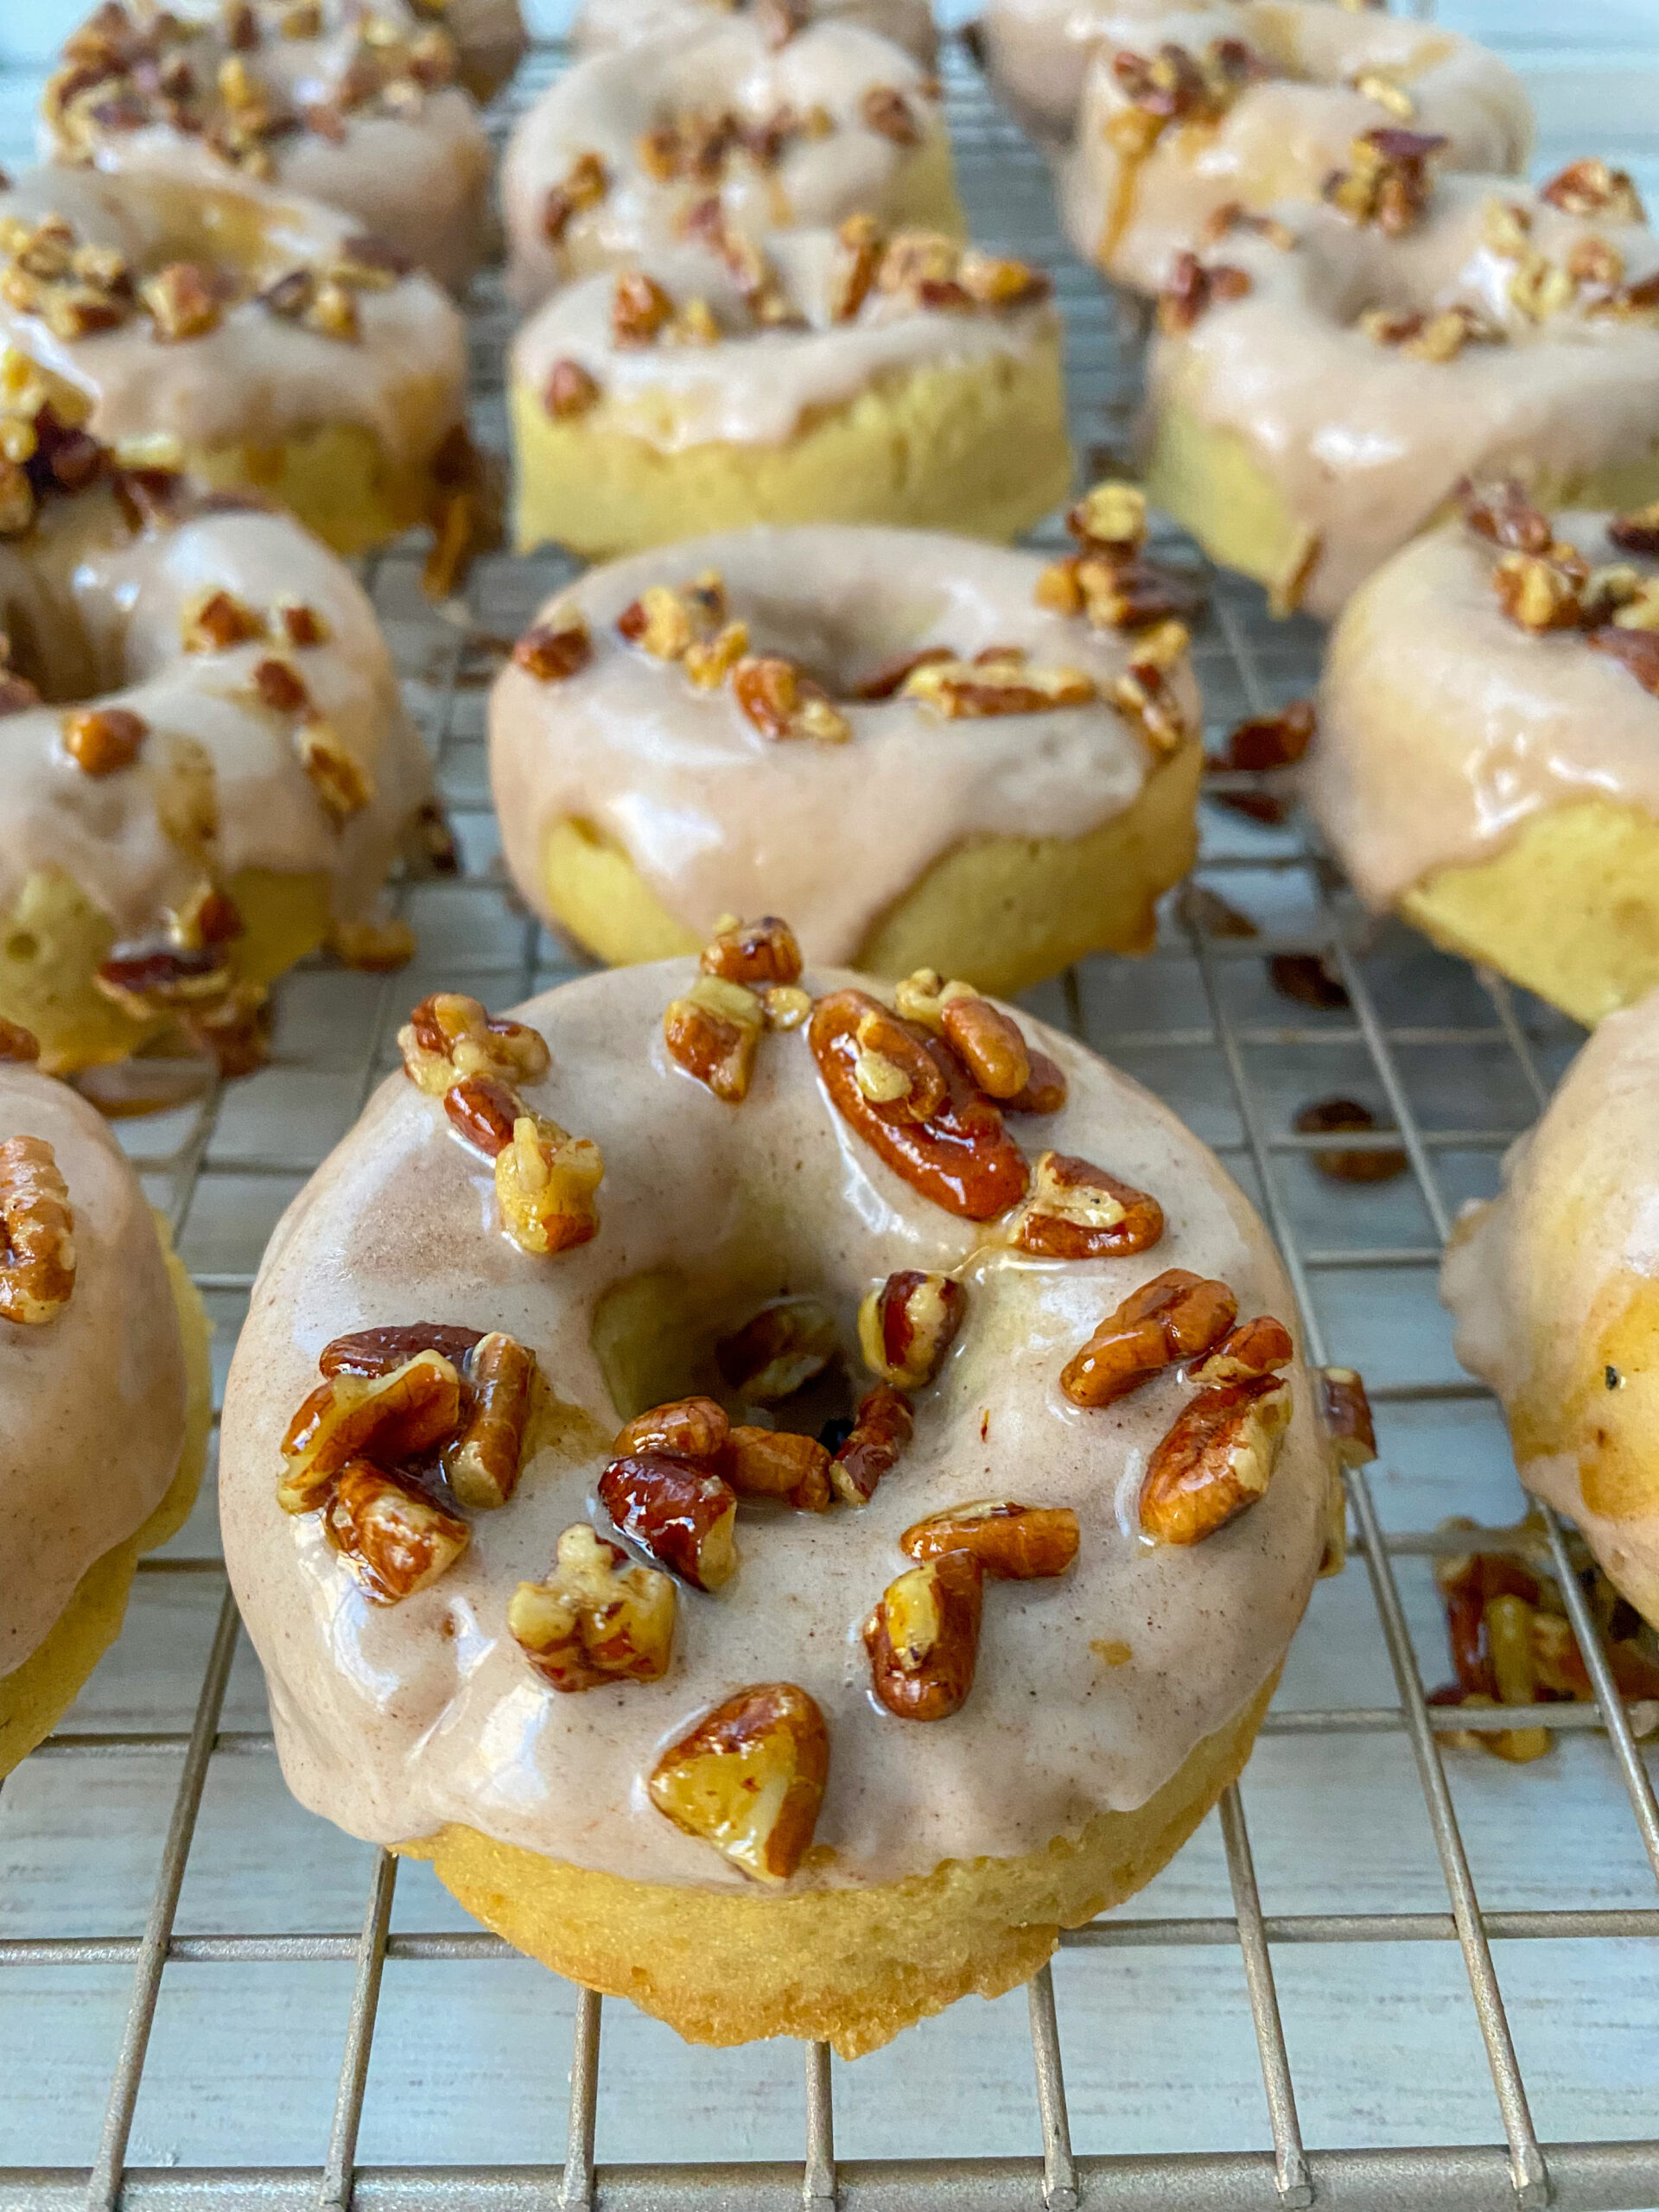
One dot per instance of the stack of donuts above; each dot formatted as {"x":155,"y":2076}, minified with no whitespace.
{"x":789,"y":1481}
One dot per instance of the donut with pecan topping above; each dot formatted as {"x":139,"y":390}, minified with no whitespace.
{"x":600,"y":25}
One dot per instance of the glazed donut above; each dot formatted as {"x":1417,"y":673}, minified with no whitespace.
{"x":1240,"y":106}
{"x":844,"y":377}
{"x":601,"y":24}
{"x":488,"y":36}
{"x":1488,"y":755}
{"x":1554,"y":1289}
{"x":205,"y":767}
{"x":257,"y":342}
{"x":758,"y":1816}
{"x":104,"y":1381}
{"x":349,"y":107}
{"x":1029,"y":811}
{"x":628,"y":147}
{"x":1320,"y":388}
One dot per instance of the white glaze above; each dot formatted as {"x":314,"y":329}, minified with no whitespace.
{"x":390,"y":1723}
{"x":720,"y":820}
{"x":601,"y":24}
{"x":91,"y":1403}
{"x":1037,"y":52}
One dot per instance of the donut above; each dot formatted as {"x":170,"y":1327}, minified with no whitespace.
{"x":104,"y":1381}
{"x":1234,"y":107}
{"x":205,"y":767}
{"x":1553,"y":1287}
{"x":630,"y":148}
{"x":702,"y":730}
{"x":353,"y":109}
{"x":952,"y":1695}
{"x":1488,"y":753}
{"x":1325,"y":377}
{"x":847,"y":376}
{"x":602,"y":24}
{"x":258,"y":340}
{"x":488,"y":36}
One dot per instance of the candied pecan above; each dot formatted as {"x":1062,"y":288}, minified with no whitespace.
{"x":749,"y":1779}
{"x":101,"y":741}
{"x":215,"y":620}
{"x":778,"y":1350}
{"x":685,"y":1428}
{"x":882,"y":1426}
{"x":482,"y":1465}
{"x":761,"y":952}
{"x":397,"y":1538}
{"x":973,"y":690}
{"x":1589,"y":187}
{"x":1326,"y":1117}
{"x":545,"y":1181}
{"x":714,"y":1033}
{"x":1638,"y":649}
{"x":17,"y":1042}
{"x":1215,"y":1460}
{"x":485,"y":1110}
{"x":146,"y":975}
{"x":570,"y":391}
{"x":1110,"y":518}
{"x":1388,"y":183}
{"x":781,"y":703}
{"x":961,"y":1158}
{"x":1262,"y":742}
{"x":886,"y":110}
{"x":1192,"y":287}
{"x":449,"y":1035}
{"x":908,"y":1324}
{"x":894,"y":1068}
{"x":923,"y":1639}
{"x":1248,"y":1350}
{"x":1079,"y":1211}
{"x":641,"y":309}
{"x":379,"y":1351}
{"x":1538,"y":591}
{"x":1175,"y":1316}
{"x":183,"y":302}
{"x":860,"y":247}
{"x":1046,"y":1088}
{"x":1306,"y":978}
{"x":37,"y":1229}
{"x":775,"y":1462}
{"x":279,"y":685}
{"x":993,"y":280}
{"x":597,"y":1618}
{"x":683,"y":1515}
{"x":391,"y":1417}
{"x":585,"y":184}
{"x":338,"y":777}
{"x":988,"y":1043}
{"x":552,"y":652}
{"x":1012,"y":1543}
{"x":1345,"y":1414}
{"x":890,"y":680}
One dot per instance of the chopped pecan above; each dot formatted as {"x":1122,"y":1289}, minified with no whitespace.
{"x":886,"y":112}
{"x":969,"y":691}
{"x":278,"y":684}
{"x":1176,"y":1316}
{"x":1079,"y":1211}
{"x":961,"y":1158}
{"x":781,"y":703}
{"x":1012,"y":1543}
{"x":449,"y":1035}
{"x":570,"y":391}
{"x":883,"y":1426}
{"x":148,"y":976}
{"x":1110,"y":518}
{"x":1216,"y":1461}
{"x":397,"y":1538}
{"x":1345,"y":1416}
{"x":101,"y":741}
{"x":988,"y":1043}
{"x":895,"y":1069}
{"x":860,"y":247}
{"x":786,"y":1004}
{"x":714,"y":1033}
{"x":923,"y":1639}
{"x":1388,"y":182}
{"x":1144,"y":693}
{"x":1046,"y":1088}
{"x":1192,"y":287}
{"x":1308,"y":979}
{"x":1592,"y":187}
{"x":295,"y":623}
{"x":684,"y":1428}
{"x":552,"y":652}
{"x":778,"y":1350}
{"x":1538,"y":591}
{"x":215,"y":620}
{"x":1249,"y":1349}
{"x":887,"y":682}
{"x":759,"y":953}
{"x":183,"y":302}
{"x":597,"y":1618}
{"x":641,"y":309}
{"x":1114,"y":593}
{"x":683,"y":1514}
{"x":37,"y":1229}
{"x":17,"y":1042}
{"x":1348,"y":1164}
{"x":379,"y":1351}
{"x":908,"y":1324}
{"x":483,"y":1464}
{"x":1388,"y":92}
{"x":485,"y":1110}
{"x":709,"y":661}
{"x":1638,"y":649}
{"x":1264,"y":742}
{"x":390,"y":1419}
{"x":776,"y":1463}
{"x":585,"y":184}
{"x":545,"y":1182}
{"x":340,"y":781}
{"x":749,"y":1779}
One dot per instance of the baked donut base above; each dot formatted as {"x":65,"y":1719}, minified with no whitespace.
{"x":1000,"y":912}
{"x":34,"y":1697}
{"x":339,"y":480}
{"x":978,"y":447}
{"x":847,"y":1967}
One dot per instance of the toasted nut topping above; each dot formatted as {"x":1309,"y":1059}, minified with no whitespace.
{"x":1079,"y":1211}
{"x":1216,"y":1461}
{"x":1376,"y":85}
{"x":1144,"y":695}
{"x":215,"y":620}
{"x":1638,"y":649}
{"x":749,"y":1779}
{"x":781,"y":703}
{"x":389,"y":1418}
{"x":923,"y":1639}
{"x":883,"y":1426}
{"x":641,"y":309}
{"x":908,"y":1324}
{"x":597,"y":1618}
{"x":339,"y":777}
{"x":893,"y":1068}
{"x":17,"y":1042}
{"x":778,"y":1350}
{"x":372,"y":947}
{"x":787,"y":1005}
{"x":1504,"y":513}
{"x":1264,"y":741}
{"x":887,"y":112}
{"x":293,"y":623}
{"x":37,"y":1255}
{"x":1252,"y":1348}
{"x":752,"y":952}
{"x":1538,"y":593}
{"x":686,"y":1428}
{"x":279,"y":685}
{"x":394,"y":1537}
{"x":709,"y":661}
{"x":1046,"y":1090}
{"x":920,"y":998}
{"x":1111,"y":519}
{"x":545,"y":1182}
{"x":1308,"y":979}
{"x":379,"y":1351}
{"x":988,"y":1043}
{"x":1194,"y":287}
{"x":483,"y":1464}
{"x":992,"y":280}
{"x":1012,"y":1543}
{"x":1175,"y":1316}
{"x":449,"y":1036}
{"x":101,"y":741}
{"x":584,"y":185}
{"x":1008,"y":684}
{"x":485,"y":1111}
{"x":774,"y":1463}
{"x":1591,"y":188}
{"x":714,"y":1032}
{"x":683,"y":1514}
{"x":183,"y":302}
{"x":1389,"y":183}
{"x":570,"y":390}
{"x":551,"y":651}
{"x":1327,"y":1115}
{"x":1345,"y":1414}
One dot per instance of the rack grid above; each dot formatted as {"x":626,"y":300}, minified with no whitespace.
{"x":1415,"y":1032}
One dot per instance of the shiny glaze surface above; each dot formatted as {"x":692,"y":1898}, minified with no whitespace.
{"x":601,"y":24}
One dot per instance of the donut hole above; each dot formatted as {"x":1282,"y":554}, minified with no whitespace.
{"x":850,"y":631}
{"x":65,"y":638}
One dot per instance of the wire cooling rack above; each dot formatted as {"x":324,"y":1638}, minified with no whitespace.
{"x":110,"y":1925}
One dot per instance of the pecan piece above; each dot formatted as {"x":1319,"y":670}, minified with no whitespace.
{"x":780,"y":702}
{"x":961,"y":1158}
{"x":37,"y":1232}
{"x":1504,"y":513}
{"x":101,"y":741}
{"x":17,"y":1042}
{"x":1592,"y":187}
{"x":777,"y":1463}
{"x":1079,"y":1211}
{"x":1175,"y":1316}
{"x":923,"y":1639}
{"x":552,"y":652}
{"x":584,"y":185}
{"x":1638,"y":649}
{"x":483,"y":1464}
{"x":389,"y":1418}
{"x":778,"y":1350}
{"x":883,"y":1426}
{"x":641,"y":309}
{"x":1249,"y":1349}
{"x":1216,"y":1461}
{"x":216,"y":620}
{"x":295,"y":623}
{"x":908,"y":1324}
{"x":714,"y":1033}
{"x":752,"y":952}
{"x":484,"y":1111}
{"x":183,"y":302}
{"x":279,"y":685}
{"x":895,"y":1069}
{"x":449,"y":1035}
{"x":886,"y":112}
{"x":1388,"y":182}
{"x":685,"y":1428}
{"x":988,"y":1043}
{"x":545,"y":1181}
{"x":1538,"y":593}
{"x":1012,"y":1543}
{"x":570,"y":391}
{"x":1346,"y":1413}
{"x":1264,"y":741}
{"x":394,"y":1537}
{"x":1637,"y":532}
{"x":749,"y":1779}
{"x":597,"y":1618}
{"x":1110,"y":518}
{"x":1046,"y":1088}
{"x":1192,"y":287}
{"x":339,"y":777}
{"x":1327,"y":1115}
{"x":683,"y":1515}
{"x":378,"y":1351}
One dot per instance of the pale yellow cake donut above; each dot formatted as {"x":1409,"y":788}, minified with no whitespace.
{"x":801,"y":1807}
{"x":1488,"y":751}
{"x":601,"y":24}
{"x":352,"y":107}
{"x":206,"y":769}
{"x":849,"y":378}
{"x":630,"y":147}
{"x":1248,"y":102}
{"x":104,"y":1388}
{"x":992,"y":822}
{"x":1554,"y":1288}
{"x":258,"y":340}
{"x":1320,"y":388}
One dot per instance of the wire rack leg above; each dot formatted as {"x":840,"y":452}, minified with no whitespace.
{"x":576,"y":2189}
{"x":1060,"y":2173}
{"x":1290,"y":2166}
{"x":336,"y":2192}
{"x":818,"y":2181}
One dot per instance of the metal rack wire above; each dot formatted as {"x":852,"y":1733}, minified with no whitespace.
{"x":1391,"y":1027}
